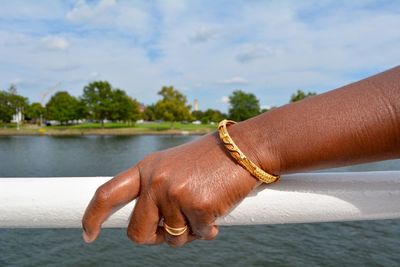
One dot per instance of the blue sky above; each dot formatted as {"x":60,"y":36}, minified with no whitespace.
{"x":206,"y":49}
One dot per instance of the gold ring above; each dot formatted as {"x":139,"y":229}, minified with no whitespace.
{"x":175,"y":231}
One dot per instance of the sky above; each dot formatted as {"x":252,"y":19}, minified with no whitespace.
{"x":206,"y":49}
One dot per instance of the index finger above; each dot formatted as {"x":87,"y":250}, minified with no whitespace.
{"x":108,"y":198}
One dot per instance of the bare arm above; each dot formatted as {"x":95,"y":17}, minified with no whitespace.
{"x":357,"y":123}
{"x":195,"y":183}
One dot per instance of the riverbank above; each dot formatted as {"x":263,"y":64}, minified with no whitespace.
{"x":109,"y":129}
{"x":123,"y":131}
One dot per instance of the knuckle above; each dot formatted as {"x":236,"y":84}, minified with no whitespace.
{"x":137,"y":237}
{"x":102,"y":195}
{"x":150,"y":158}
{"x":203,"y":206}
{"x":175,"y":194}
{"x":148,"y":162}
{"x":210,"y":235}
{"x":175,"y":242}
{"x":158,"y":180}
{"x":206,"y":232}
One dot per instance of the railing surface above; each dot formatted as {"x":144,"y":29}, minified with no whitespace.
{"x":298,"y":198}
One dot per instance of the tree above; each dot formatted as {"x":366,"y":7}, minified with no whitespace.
{"x":172,"y":107}
{"x":149,"y":113}
{"x":133,"y":110}
{"x":5,"y":110}
{"x":106,"y":103}
{"x":124,"y":107}
{"x":82,"y":111}
{"x":212,"y":115}
{"x":198,"y":115}
{"x":11,"y":103}
{"x":34,"y":112}
{"x":62,"y":107}
{"x":300,"y":95}
{"x":266,"y":109}
{"x":243,"y":105}
{"x":98,"y":97}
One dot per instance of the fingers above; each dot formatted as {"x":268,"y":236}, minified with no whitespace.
{"x":144,"y":226}
{"x":206,"y":232}
{"x":107,"y":199}
{"x":174,"y":218}
{"x":203,"y":226}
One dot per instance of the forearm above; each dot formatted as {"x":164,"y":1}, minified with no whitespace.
{"x":357,"y":123}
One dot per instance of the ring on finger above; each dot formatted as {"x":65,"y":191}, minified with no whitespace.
{"x":175,"y":231}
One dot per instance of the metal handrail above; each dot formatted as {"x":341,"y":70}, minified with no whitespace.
{"x":298,"y":198}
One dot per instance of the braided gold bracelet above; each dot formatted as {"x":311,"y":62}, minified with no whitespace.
{"x":238,"y":155}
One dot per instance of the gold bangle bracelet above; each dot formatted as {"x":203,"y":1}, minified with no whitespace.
{"x":238,"y":155}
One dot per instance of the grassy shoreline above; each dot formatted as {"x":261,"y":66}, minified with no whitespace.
{"x":161,"y":128}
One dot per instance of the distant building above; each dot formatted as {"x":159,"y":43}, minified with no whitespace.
{"x":17,"y":118}
{"x":196,"y":105}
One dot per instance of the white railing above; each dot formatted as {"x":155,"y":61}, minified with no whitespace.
{"x":299,"y":198}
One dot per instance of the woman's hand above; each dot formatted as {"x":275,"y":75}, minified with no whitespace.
{"x":196,"y":183}
{"x":191,"y":184}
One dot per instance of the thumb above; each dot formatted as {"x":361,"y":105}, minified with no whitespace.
{"x":108,"y":198}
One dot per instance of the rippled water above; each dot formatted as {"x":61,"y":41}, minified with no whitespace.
{"x":368,"y":243}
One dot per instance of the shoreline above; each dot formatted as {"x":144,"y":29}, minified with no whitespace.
{"x":98,"y":132}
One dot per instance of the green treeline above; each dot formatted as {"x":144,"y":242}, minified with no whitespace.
{"x":101,"y":102}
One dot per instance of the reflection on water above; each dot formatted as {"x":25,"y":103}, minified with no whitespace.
{"x":78,"y":156}
{"x":368,"y":243}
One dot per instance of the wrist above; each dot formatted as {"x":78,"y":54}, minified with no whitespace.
{"x":257,"y":144}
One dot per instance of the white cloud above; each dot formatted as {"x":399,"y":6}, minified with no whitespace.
{"x":237,"y":80}
{"x":110,"y":15}
{"x":224,"y":100}
{"x":204,"y":34}
{"x":10,"y":38}
{"x":139,"y":46}
{"x":94,"y":74}
{"x":82,"y":11}
{"x":35,"y":10}
{"x":62,"y":67}
{"x":55,"y":42}
{"x":251,"y":52}
{"x":17,"y":81}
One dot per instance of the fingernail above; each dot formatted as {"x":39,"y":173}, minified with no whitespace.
{"x":86,"y":237}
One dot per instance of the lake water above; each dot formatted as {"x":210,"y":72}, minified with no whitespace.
{"x":368,"y":243}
